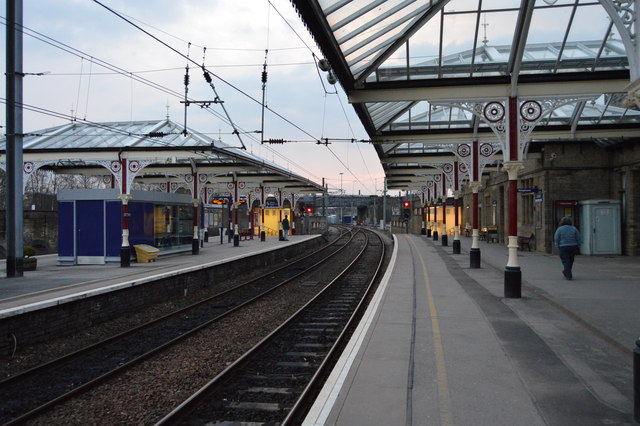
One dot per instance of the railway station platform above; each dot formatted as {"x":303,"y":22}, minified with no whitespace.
{"x":52,"y":284}
{"x":440,"y":344}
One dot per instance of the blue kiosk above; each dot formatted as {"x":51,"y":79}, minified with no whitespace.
{"x":90,"y":224}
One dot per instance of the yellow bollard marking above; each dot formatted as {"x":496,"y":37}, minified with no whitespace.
{"x":446,"y":411}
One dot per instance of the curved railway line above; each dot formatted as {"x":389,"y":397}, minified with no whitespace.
{"x":277,"y":380}
{"x":37,"y":390}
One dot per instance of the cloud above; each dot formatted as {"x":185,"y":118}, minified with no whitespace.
{"x":235,"y":34}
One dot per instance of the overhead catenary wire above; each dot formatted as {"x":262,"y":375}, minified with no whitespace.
{"x":131,"y":75}
{"x":114,"y":68}
{"x":238,"y":49}
{"x":211,"y":73}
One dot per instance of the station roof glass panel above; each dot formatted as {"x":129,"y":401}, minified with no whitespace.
{"x":409,"y":66}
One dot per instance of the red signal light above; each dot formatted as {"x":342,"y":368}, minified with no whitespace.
{"x":406,"y":204}
{"x":309,"y":209}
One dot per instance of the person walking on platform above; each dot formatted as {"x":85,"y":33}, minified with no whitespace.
{"x":567,"y":239}
{"x":285,"y":228}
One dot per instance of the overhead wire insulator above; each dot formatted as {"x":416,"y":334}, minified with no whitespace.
{"x":207,"y":76}
{"x":275,"y":141}
{"x":331,"y":77}
{"x":324,"y":65}
{"x":264,"y":77}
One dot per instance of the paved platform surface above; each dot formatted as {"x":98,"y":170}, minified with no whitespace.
{"x":51,"y":282}
{"x":441,"y":345}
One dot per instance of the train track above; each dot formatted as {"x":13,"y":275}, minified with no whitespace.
{"x":34,"y":391}
{"x":277,"y":380}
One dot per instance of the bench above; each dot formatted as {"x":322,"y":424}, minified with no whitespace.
{"x":525,"y":241}
{"x":489,"y":234}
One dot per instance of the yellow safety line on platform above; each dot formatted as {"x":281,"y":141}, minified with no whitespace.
{"x":446,"y":411}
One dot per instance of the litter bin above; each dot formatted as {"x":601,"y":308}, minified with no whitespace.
{"x":146,"y":253}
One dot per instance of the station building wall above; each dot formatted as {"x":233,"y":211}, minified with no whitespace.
{"x":564,"y":173}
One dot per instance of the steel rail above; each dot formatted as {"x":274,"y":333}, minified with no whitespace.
{"x":306,"y":399}
{"x":42,"y":368}
{"x":202,"y":396}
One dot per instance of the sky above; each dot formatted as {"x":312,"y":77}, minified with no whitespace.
{"x":74,"y":37}
{"x":72,"y":49}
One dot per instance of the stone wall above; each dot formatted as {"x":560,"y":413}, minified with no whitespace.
{"x":40,"y":231}
{"x":565,"y":171}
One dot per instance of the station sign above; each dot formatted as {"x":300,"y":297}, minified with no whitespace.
{"x":226,"y":200}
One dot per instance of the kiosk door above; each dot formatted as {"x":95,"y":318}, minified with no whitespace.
{"x":90,"y":232}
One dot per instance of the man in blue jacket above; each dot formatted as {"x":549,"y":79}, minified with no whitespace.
{"x":567,"y":239}
{"x":285,"y":228}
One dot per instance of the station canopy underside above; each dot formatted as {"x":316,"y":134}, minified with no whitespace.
{"x":162,"y":149}
{"x":414,"y":70}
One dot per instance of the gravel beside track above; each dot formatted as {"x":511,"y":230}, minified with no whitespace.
{"x":146,"y":393}
{"x":28,"y":357}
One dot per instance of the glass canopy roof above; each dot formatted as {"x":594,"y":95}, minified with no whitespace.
{"x":81,"y":143}
{"x":403,"y":39}
{"x":398,"y":60}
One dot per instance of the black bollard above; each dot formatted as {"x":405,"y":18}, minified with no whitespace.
{"x":474,"y":258}
{"x":125,"y":256}
{"x":428,"y":232}
{"x":445,"y":240}
{"x":435,"y":235}
{"x":236,"y":240}
{"x":512,"y":282}
{"x":262,"y":236}
{"x":456,"y":247}
{"x":195,"y":246}
{"x":636,"y":382}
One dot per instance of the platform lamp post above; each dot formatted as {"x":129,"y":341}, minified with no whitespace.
{"x":14,"y":156}
{"x":125,"y":248}
{"x":512,"y":272}
{"x":280,"y":231}
{"x":428,"y":228}
{"x":384,"y":205}
{"x":262,"y":232}
{"x":434,"y":234}
{"x":235,"y":206}
{"x":341,"y":198}
{"x":474,"y":252}
{"x":444,"y":237}
{"x":195,"y":241}
{"x":193,"y":180}
{"x":636,"y":381}
{"x":429,"y":204}
{"x":423,"y":230}
{"x":456,"y":224}
{"x":456,"y":218}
